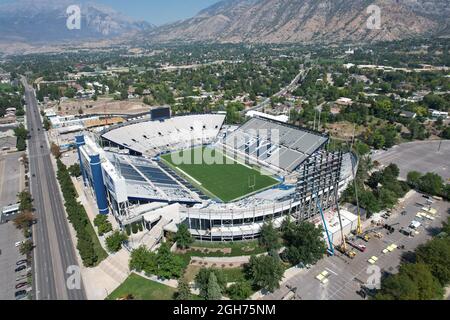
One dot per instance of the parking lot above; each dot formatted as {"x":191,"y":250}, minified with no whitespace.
{"x":345,"y":276}
{"x":422,"y":156}
{"x":8,"y":258}
{"x":11,"y":182}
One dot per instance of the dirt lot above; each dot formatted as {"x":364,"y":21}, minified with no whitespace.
{"x":344,"y":130}
{"x":103,"y":105}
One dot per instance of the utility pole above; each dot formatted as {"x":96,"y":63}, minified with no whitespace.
{"x":320,"y":114}
{"x":315,"y":113}
{"x":353,"y":136}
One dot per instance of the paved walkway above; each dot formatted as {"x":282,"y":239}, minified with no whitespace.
{"x":221,"y":260}
{"x":102,"y":280}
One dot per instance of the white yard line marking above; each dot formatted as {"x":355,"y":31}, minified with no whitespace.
{"x":190,"y":177}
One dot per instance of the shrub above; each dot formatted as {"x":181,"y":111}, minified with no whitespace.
{"x":114,"y":241}
{"x":240,"y":290}
{"x":134,"y":227}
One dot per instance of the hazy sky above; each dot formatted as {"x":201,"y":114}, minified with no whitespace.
{"x":154,"y":11}
{"x":159,"y":11}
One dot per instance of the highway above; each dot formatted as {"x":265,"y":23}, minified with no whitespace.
{"x":54,"y":251}
{"x":290,"y":87}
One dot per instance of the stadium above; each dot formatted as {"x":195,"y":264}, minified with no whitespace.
{"x":222,"y":181}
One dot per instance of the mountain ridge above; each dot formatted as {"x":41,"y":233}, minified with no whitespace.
{"x":288,"y":21}
{"x":35,"y":21}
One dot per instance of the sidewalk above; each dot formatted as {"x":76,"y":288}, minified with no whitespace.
{"x":101,"y":281}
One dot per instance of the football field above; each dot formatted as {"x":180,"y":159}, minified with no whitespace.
{"x":219,"y":176}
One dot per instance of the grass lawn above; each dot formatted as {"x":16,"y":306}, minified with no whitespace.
{"x":231,"y":274}
{"x":142,"y":289}
{"x":239,"y":248}
{"x":221,"y":179}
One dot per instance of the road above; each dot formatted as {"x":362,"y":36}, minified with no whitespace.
{"x":54,"y":251}
{"x":346,"y":275}
{"x":300,"y":76}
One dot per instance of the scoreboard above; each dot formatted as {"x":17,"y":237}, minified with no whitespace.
{"x":160,"y":113}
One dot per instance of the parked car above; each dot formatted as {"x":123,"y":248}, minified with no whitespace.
{"x":20,"y":293}
{"x":18,"y":263}
{"x":21,"y":285}
{"x":21,"y":268}
{"x":18,"y":243}
{"x":22,"y":297}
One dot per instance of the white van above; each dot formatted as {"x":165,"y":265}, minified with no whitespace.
{"x":415,"y":224}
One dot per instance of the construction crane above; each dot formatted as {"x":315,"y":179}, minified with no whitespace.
{"x":330,"y":249}
{"x":343,"y":248}
{"x":359,"y":229}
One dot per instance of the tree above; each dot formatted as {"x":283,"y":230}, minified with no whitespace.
{"x":75,"y":170}
{"x":362,"y":148}
{"x":413,"y":282}
{"x":102,"y":224}
{"x":86,"y":249}
{"x":269,"y":237}
{"x":304,"y":243}
{"x":378,"y":140}
{"x":375,"y":179}
{"x":387,"y":197}
{"x":368,"y":201}
{"x":47,"y":124}
{"x":183,"y":237}
{"x":447,"y":191}
{"x":446,"y":133}
{"x":26,"y":247}
{"x":142,"y":259}
{"x":436,"y":254}
{"x":431,"y":183}
{"x":25,"y":201}
{"x":266,"y":272}
{"x":202,"y":280}
{"x":214,"y":290}
{"x":55,"y":150}
{"x":21,"y":133}
{"x":169,"y":265}
{"x":114,"y":241}
{"x":392,"y":171}
{"x":413,"y":178}
{"x":184,"y":291}
{"x":24,"y":220}
{"x":240,"y":290}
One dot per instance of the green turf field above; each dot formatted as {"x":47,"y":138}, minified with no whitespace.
{"x":222,"y":179}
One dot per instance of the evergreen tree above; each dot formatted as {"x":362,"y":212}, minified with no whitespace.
{"x":214,"y":290}
{"x":184,"y":292}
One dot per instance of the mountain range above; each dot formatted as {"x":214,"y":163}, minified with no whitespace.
{"x":44,"y":21}
{"x":252,"y":21}
{"x":281,"y":21}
